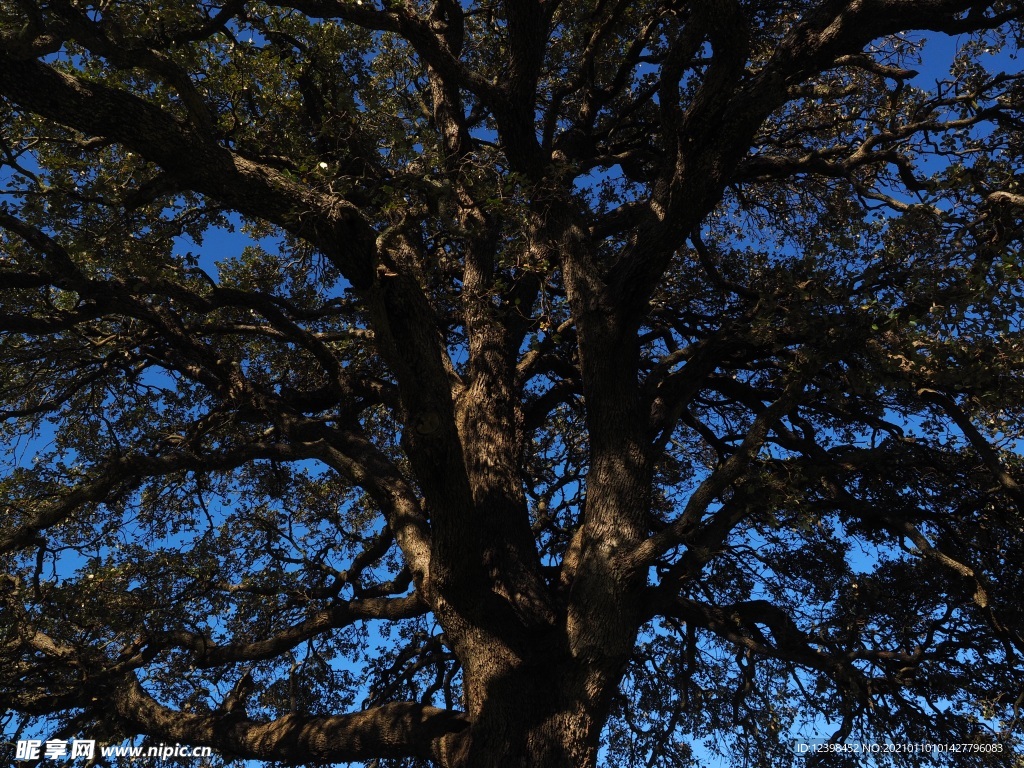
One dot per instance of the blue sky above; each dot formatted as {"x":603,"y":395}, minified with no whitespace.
{"x":220,"y":244}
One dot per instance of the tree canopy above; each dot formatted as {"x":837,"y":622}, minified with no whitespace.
{"x":614,"y":382}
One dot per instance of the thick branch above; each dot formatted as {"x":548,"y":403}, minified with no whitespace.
{"x":330,"y":222}
{"x":393,"y":730}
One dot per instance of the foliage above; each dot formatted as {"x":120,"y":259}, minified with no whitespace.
{"x":596,"y":383}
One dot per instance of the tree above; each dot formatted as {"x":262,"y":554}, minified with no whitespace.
{"x":598,"y":379}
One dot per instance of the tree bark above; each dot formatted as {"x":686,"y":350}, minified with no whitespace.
{"x":534,"y":715}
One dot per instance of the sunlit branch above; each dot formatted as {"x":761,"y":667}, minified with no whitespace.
{"x":717,"y":482}
{"x":391,"y":730}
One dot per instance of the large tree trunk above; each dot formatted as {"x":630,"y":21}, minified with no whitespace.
{"x":534,"y":716}
{"x":540,"y":696}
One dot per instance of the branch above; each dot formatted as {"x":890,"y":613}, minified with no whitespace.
{"x":355,"y":457}
{"x":396,"y":730}
{"x":402,"y":19}
{"x":206,"y":654}
{"x":401,"y":314}
{"x":330,"y":222}
{"x":981,"y":445}
{"x":125,"y":472}
{"x":729,"y":471}
{"x":1010,"y":198}
{"x":718,"y":134}
{"x":737,"y":623}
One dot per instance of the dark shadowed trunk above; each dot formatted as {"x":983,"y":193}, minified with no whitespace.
{"x":535,"y":714}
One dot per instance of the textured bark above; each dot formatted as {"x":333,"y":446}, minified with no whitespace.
{"x":535,"y":714}
{"x":394,"y":730}
{"x":542,"y":647}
